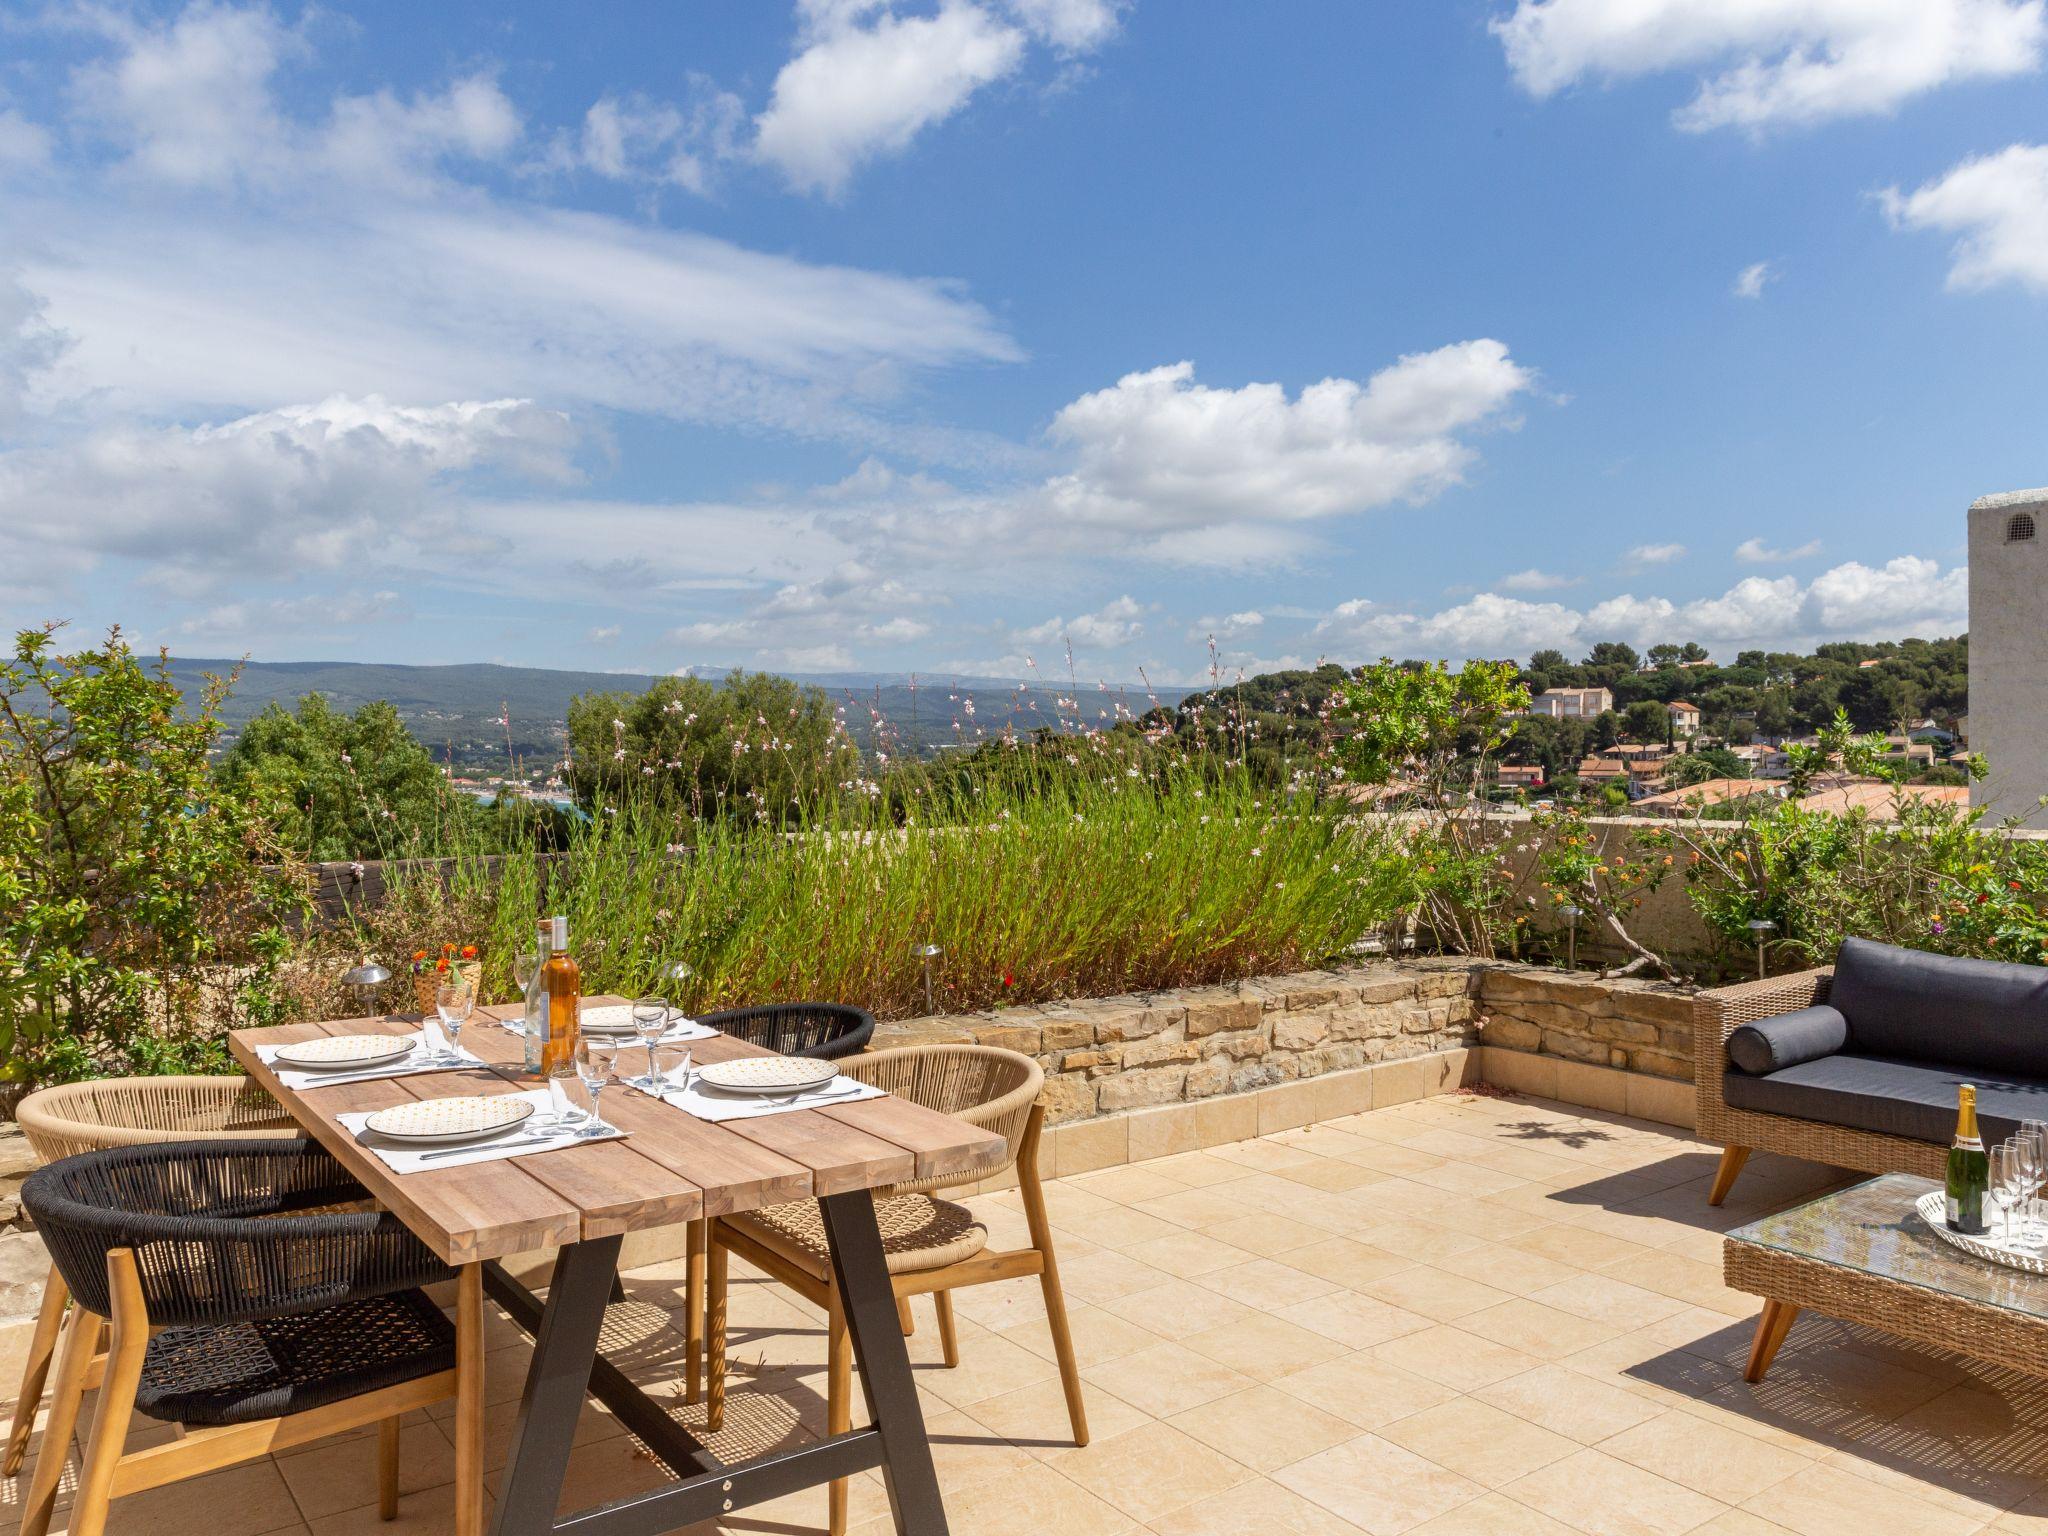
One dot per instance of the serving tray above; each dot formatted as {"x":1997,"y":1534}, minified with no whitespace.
{"x":1933,"y":1208}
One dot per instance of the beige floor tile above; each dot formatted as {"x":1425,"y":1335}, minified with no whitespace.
{"x":1507,"y":1269}
{"x":1826,"y":1501}
{"x":1459,"y":1360}
{"x":1198,"y":1209}
{"x":1265,"y":1348}
{"x":1152,"y":1470}
{"x":1179,"y":1308}
{"x":1492,"y":1514}
{"x":1603,"y":1298}
{"x":1345,"y":1261}
{"x":1569,"y":1403}
{"x":1469,"y":1178}
{"x":1366,"y":1391}
{"x":1537,"y":1330}
{"x":1114,"y":1227}
{"x":990,"y":1365}
{"x":1435,"y":1293}
{"x":1035,"y":1418}
{"x":1421,"y":1241}
{"x":1353,"y":1320}
{"x":1264,"y":1427}
{"x":1604,"y":1497}
{"x":1166,"y":1379}
{"x":1030,"y":1503}
{"x":1266,"y":1284}
{"x":250,"y":1500}
{"x":1486,"y":1444}
{"x":431,"y":1513}
{"x":1378,"y":1486}
{"x":1266,"y":1234}
{"x":1583,"y":1249}
{"x":1259,"y":1508}
{"x":1128,"y":1185}
{"x":1102,"y":1277}
{"x":330,"y":1476}
{"x":1333,"y":1174}
{"x":1706,"y":1457}
{"x":1188,"y":1253}
{"x":1098,"y":1334}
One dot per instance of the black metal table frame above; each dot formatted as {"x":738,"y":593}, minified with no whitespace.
{"x":567,"y":1366}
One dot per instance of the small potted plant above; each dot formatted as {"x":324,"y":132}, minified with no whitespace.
{"x":429,"y":970}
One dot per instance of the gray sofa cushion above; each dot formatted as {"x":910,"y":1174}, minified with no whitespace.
{"x":1770,"y":1045}
{"x":1915,"y":1099}
{"x":1987,"y":1015}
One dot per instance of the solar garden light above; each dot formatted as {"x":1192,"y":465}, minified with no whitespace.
{"x":1571,"y":935}
{"x":928,"y":953}
{"x":1760,"y":928}
{"x":365,"y":979}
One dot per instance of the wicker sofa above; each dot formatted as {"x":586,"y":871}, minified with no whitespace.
{"x":1856,"y":1064}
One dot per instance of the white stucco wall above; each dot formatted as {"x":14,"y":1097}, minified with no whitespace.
{"x":2009,"y":654}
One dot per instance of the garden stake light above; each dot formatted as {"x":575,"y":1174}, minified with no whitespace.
{"x":1571,"y":935}
{"x":1760,"y":929}
{"x":928,"y":953}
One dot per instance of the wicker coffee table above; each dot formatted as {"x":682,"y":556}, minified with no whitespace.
{"x":1863,"y":1255}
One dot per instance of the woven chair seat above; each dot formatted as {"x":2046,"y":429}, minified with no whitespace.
{"x":237,"y":1373}
{"x":918,"y":1233}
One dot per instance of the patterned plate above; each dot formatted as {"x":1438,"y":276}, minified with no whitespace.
{"x":611,"y":1019}
{"x":337,"y":1053}
{"x":457,"y":1119}
{"x":767,"y":1074}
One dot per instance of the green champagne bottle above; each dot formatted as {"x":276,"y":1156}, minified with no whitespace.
{"x":1969,"y":1169}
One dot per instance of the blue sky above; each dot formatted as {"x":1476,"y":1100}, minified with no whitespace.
{"x":939,"y":335}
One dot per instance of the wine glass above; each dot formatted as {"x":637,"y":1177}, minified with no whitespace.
{"x":2032,"y":1167}
{"x":594,"y":1065}
{"x":527,"y":967}
{"x":2007,"y":1184}
{"x":454,"y":1000}
{"x":650,"y":1023}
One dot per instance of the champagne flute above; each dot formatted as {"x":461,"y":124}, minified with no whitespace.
{"x":650,"y":1023}
{"x":2032,"y":1166}
{"x":2007,"y":1182}
{"x":594,"y":1065}
{"x":454,"y":1001}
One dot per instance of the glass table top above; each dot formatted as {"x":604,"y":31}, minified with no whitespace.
{"x":1873,"y":1228}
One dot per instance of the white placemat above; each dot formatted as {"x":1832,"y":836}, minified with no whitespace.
{"x":405,"y":1067}
{"x":528,"y":1138}
{"x":709,"y":1104}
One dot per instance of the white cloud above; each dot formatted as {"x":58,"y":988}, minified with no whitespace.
{"x":1073,"y":26}
{"x":264,"y":618}
{"x":1756,"y":552}
{"x":1533,"y":580}
{"x":1114,"y":625}
{"x":1768,"y":62}
{"x":635,"y":138}
{"x":1159,"y":454}
{"x":1229,"y":626}
{"x":1749,"y":282}
{"x":24,"y":146}
{"x":1645,"y":555}
{"x":1996,"y":206}
{"x":868,"y":81}
{"x":1909,"y":595}
{"x":304,"y":488}
{"x":602,"y":634}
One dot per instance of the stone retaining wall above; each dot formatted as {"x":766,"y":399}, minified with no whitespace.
{"x":1631,"y":1025}
{"x":1103,"y":1056}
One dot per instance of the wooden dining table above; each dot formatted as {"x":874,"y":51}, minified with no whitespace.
{"x":581,"y":1201}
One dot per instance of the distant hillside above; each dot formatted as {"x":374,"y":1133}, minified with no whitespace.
{"x":456,"y":710}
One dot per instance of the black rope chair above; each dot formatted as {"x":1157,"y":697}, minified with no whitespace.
{"x":244,"y":1305}
{"x":823,"y":1030}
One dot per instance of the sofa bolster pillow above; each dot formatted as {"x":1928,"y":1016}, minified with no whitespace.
{"x":1771,"y":1045}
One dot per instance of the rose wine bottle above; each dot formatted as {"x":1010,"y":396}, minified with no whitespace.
{"x":562,"y":983}
{"x":1969,"y":1169}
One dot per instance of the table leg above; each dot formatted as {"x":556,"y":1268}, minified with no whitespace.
{"x":869,"y":1304}
{"x":469,"y":1402}
{"x":1772,"y":1325}
{"x":556,"y":1382}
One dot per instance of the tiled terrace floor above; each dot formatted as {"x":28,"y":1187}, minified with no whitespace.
{"x":1465,"y":1315}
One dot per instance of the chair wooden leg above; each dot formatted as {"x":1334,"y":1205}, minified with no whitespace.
{"x":1033,"y":1194}
{"x":36,"y":1370}
{"x":904,"y":1319}
{"x":1772,"y":1324}
{"x":74,"y":1361}
{"x":949,"y":1340}
{"x":714,"y":1336}
{"x":1732,"y":1159}
{"x":388,"y":1432}
{"x":838,"y":1404}
{"x":117,"y":1397}
{"x":696,"y":1242}
{"x":469,"y":1406}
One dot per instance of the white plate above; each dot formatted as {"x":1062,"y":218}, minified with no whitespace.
{"x":767,"y":1074}
{"x":340,"y":1053}
{"x":455,"y":1119}
{"x":611,"y":1019}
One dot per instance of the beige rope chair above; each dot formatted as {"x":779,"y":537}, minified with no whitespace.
{"x":72,"y":1118}
{"x":931,"y":1245}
